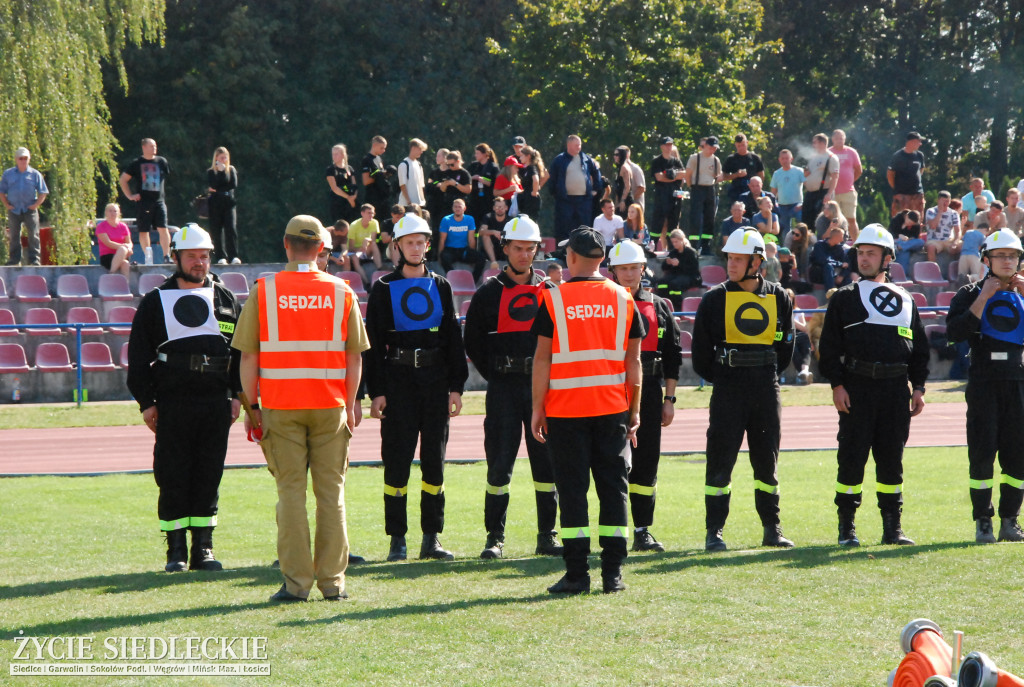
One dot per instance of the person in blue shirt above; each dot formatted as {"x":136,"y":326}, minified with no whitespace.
{"x":787,"y":184}
{"x":734,"y":221}
{"x":22,"y":191}
{"x":458,"y":240}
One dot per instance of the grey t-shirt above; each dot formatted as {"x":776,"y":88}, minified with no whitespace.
{"x":575,"y":178}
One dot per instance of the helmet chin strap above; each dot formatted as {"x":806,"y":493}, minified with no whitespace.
{"x":747,"y":275}
{"x":403,"y":261}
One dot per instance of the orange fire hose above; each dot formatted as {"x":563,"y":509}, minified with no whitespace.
{"x":928,"y":654}
{"x":978,"y":670}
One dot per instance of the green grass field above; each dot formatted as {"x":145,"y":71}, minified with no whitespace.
{"x":81,"y":556}
{"x":119,"y":413}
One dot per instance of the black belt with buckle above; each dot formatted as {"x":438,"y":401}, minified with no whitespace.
{"x":877,"y":370}
{"x":508,"y":364}
{"x":731,"y":357}
{"x":651,"y":367}
{"x":195,"y":362}
{"x":415,"y":357}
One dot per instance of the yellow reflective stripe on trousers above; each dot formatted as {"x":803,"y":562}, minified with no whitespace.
{"x":1012,"y":481}
{"x":889,"y":488}
{"x":612,"y":531}
{"x":498,"y":491}
{"x":586,"y":382}
{"x":848,"y":488}
{"x":981,"y":483}
{"x":433,"y":489}
{"x":168,"y":525}
{"x":210,"y":521}
{"x":767,"y":488}
{"x":641,"y":489}
{"x":717,"y":491}
{"x":301,"y":373}
{"x":575,"y":533}
{"x":544,"y":486}
{"x":395,"y":491}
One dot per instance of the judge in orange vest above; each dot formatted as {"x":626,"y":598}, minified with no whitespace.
{"x":301,"y":337}
{"x":586,"y":405}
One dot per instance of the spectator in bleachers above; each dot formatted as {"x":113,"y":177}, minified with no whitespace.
{"x":622,"y":186}
{"x":554,"y":272}
{"x":634,"y":229}
{"x":387,"y":232}
{"x":492,"y":227}
{"x":830,"y":218}
{"x":435,"y":193}
{"x":362,"y":239}
{"x":325,"y":250}
{"x":608,"y":224}
{"x":801,"y":344}
{"x":222,"y":180}
{"x":820,"y":178}
{"x":787,"y":266}
{"x":375,"y":177}
{"x":507,"y":184}
{"x":22,"y":191}
{"x":734,"y":221}
{"x":1014,"y":214}
{"x":992,"y":215}
{"x":828,"y":263}
{"x":410,"y":175}
{"x":751,"y":198}
{"x":788,"y":186}
{"x":483,"y":171}
{"x":970,"y":266}
{"x":800,"y":241}
{"x":680,"y":271}
{"x":575,"y":182}
{"x":766,"y":221}
{"x":906,"y":231}
{"x":533,"y":178}
{"x":904,"y":176}
{"x":456,"y":183}
{"x":148,"y":174}
{"x":943,"y":224}
{"x":115,"y":241}
{"x":771,"y":268}
{"x":850,"y":170}
{"x":740,"y":168}
{"x":668,"y":173}
{"x":341,"y":180}
{"x":340,"y":257}
{"x":458,"y":241}
{"x":977,"y":189}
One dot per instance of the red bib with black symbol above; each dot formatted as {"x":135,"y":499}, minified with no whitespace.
{"x":650,"y":341}
{"x":518,"y":308}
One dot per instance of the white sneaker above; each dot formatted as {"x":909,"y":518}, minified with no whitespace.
{"x":222,"y":261}
{"x":236,"y":261}
{"x":806,"y":376}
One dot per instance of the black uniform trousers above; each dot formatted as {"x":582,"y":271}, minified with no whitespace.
{"x":509,"y":411}
{"x":995,"y":408}
{"x":749,"y":403}
{"x":223,"y":226}
{"x":578,"y":447}
{"x":879,"y":423}
{"x":415,"y":410}
{"x":188,"y":459}
{"x":703,"y":208}
{"x":643,"y":473}
{"x":666,"y":209}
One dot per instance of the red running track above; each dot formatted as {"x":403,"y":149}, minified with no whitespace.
{"x":97,"y":450}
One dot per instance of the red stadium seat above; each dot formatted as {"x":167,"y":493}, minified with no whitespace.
{"x":953,"y":271}
{"x":53,"y":357}
{"x":84,"y":315}
{"x":928,"y":274}
{"x":3,"y":291}
{"x":462,"y":282}
{"x":548,"y":245}
{"x":149,"y":281}
{"x":237,"y":284}
{"x":686,"y":343}
{"x":12,"y":358}
{"x":124,"y":355}
{"x":73,"y":288}
{"x":96,"y":357}
{"x":42,"y":316}
{"x":712,"y":275}
{"x":806,"y":301}
{"x":121,"y":313}
{"x":114,"y":287}
{"x":944,"y":298}
{"x":362,"y":308}
{"x":355,"y":282}
{"x":464,"y":308}
{"x":491,"y":272}
{"x":378,"y":274}
{"x":7,"y":317}
{"x":922,"y":302}
{"x":690,"y":305}
{"x":31,"y":288}
{"x":898,"y":275}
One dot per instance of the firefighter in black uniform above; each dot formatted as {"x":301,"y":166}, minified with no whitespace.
{"x":499,"y":342}
{"x":184,"y":375}
{"x":660,"y":359}
{"x":990,"y":316}
{"x":415,"y":373}
{"x":742,"y":341}
{"x":872,"y":343}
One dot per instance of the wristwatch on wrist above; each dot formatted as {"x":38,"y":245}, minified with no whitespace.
{"x":670,"y":399}
{"x":254,"y":406}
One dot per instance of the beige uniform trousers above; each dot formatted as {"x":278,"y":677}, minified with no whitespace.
{"x":317,"y":439}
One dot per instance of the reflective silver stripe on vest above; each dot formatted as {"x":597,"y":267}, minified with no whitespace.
{"x":273,"y":344}
{"x":586,"y":382}
{"x":562,"y":332}
{"x":301,"y":373}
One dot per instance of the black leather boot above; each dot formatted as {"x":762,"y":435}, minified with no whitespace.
{"x":201,"y":557}
{"x":177,"y":551}
{"x":397,"y":552}
{"x":892,"y":530}
{"x":431,"y":548}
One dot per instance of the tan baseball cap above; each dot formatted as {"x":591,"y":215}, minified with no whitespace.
{"x":306,"y":227}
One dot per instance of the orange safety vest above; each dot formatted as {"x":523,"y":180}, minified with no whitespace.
{"x":303,"y":330}
{"x":588,"y":349}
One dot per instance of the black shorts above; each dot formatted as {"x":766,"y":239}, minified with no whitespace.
{"x":150,"y":216}
{"x":106,"y":260}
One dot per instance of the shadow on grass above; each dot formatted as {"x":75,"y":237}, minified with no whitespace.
{"x":411,"y":570}
{"x":799,"y":557}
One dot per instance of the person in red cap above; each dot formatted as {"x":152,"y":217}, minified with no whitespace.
{"x":508,"y":184}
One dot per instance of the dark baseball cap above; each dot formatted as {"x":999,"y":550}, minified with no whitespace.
{"x":518,"y":141}
{"x":666,"y":140}
{"x":913,"y":135}
{"x":711,"y":141}
{"x":585,"y":242}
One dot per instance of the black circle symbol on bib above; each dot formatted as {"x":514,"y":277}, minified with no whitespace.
{"x":423,"y":311}
{"x":887,"y":303}
{"x":523,"y":308}
{"x":191,"y":311}
{"x":1002,"y":316}
{"x":751,"y":326}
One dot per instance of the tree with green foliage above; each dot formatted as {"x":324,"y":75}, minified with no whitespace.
{"x":52,"y":98}
{"x":627,"y":72}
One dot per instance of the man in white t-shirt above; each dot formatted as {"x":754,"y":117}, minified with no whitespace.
{"x":850,"y":170}
{"x":608,"y":224}
{"x":410,"y":175}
